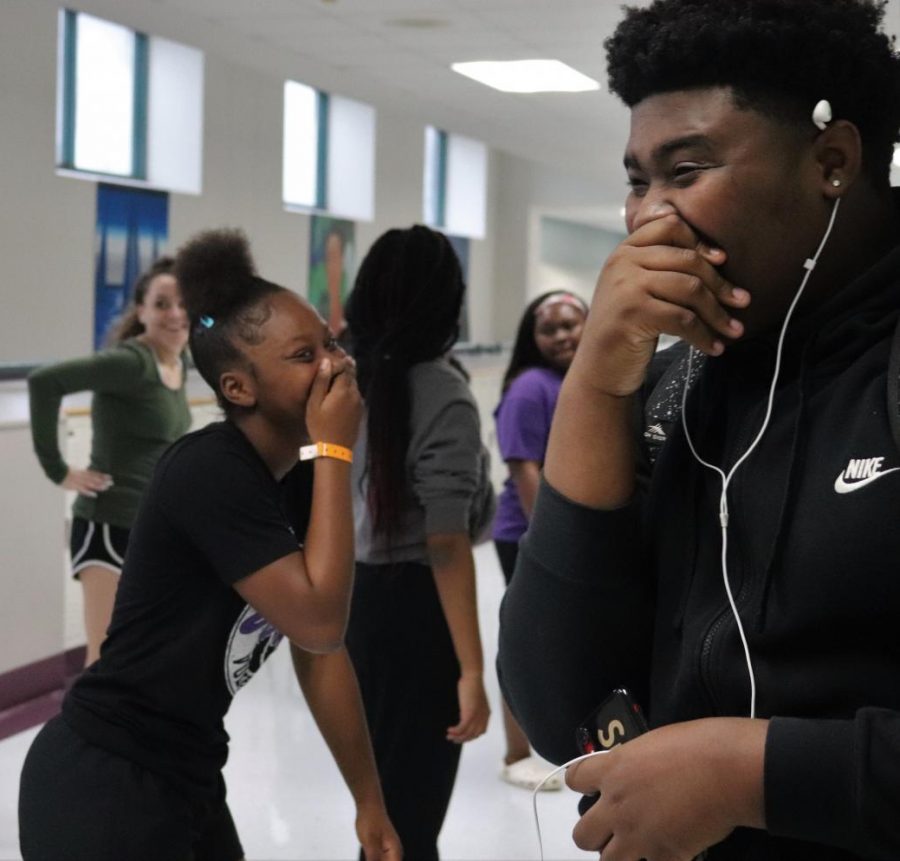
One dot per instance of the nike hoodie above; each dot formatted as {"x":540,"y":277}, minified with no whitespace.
{"x":635,"y":597}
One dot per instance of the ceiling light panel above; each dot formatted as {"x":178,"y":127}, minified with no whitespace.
{"x":527,"y":76}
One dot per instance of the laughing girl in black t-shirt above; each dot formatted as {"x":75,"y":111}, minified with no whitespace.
{"x":237,"y":545}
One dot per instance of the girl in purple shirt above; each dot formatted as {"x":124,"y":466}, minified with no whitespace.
{"x":545,"y":344}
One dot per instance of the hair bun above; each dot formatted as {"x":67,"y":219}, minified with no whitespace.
{"x":215,"y":271}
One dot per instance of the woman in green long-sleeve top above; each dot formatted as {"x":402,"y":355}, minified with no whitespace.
{"x":139,"y":407}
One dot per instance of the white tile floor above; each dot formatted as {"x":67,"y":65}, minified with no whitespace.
{"x":288,"y":799}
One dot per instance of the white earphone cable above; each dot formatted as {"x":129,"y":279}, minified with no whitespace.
{"x":809,"y":265}
{"x":537,"y":789}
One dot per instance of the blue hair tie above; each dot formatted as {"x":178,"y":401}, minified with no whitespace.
{"x":207,"y":322}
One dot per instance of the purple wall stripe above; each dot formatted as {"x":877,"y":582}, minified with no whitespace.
{"x":34,"y":712}
{"x":32,"y":694}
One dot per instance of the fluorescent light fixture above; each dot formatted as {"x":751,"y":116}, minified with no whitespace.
{"x":896,"y":159}
{"x":527,"y":76}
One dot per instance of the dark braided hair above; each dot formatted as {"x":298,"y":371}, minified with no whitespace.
{"x":225,"y":301}
{"x":525,"y":353}
{"x":128,"y":325}
{"x":779,"y":57}
{"x":404,"y":309}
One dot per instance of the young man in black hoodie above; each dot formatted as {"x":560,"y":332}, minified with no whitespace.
{"x":759,"y":624}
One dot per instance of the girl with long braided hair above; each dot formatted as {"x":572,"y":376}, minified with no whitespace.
{"x":422,"y":495}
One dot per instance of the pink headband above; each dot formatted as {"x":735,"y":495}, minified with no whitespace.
{"x":560,"y":299}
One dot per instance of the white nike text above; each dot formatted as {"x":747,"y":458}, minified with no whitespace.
{"x":860,"y":472}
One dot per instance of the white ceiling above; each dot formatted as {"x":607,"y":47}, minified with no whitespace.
{"x":396,"y":54}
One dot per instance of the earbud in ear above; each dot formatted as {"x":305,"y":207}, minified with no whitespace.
{"x":821,"y":114}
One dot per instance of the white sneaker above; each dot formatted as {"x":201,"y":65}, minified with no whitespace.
{"x":528,"y":774}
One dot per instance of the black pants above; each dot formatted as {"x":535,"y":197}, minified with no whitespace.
{"x":400,"y":645}
{"x":80,"y":803}
{"x":507,"y":553}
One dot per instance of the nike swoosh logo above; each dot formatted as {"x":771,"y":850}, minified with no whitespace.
{"x":842,"y":486}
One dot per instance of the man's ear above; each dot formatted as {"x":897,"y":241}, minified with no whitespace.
{"x":838,"y":154}
{"x":238,"y":387}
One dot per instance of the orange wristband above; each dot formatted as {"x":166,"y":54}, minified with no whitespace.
{"x":326,"y":449}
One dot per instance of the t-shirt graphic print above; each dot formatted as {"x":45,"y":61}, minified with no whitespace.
{"x":251,"y":642}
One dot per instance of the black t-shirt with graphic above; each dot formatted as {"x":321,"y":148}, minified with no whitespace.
{"x":182,"y":640}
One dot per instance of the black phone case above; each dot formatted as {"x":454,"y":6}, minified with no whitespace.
{"x":616,"y":720}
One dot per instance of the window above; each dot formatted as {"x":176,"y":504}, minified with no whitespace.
{"x":455,"y":183}
{"x":329,"y":153}
{"x":302,"y":177}
{"x":102,"y":134}
{"x":129,"y":105}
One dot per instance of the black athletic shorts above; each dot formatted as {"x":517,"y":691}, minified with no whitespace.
{"x":97,"y":544}
{"x":80,"y":803}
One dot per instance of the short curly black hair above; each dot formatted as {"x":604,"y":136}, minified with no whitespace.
{"x":779,"y":57}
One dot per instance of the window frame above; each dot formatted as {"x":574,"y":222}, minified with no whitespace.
{"x":437,"y":217}
{"x":440,"y":189}
{"x":144,"y":146}
{"x":325,"y":161}
{"x":65,"y":161}
{"x":320,"y":191}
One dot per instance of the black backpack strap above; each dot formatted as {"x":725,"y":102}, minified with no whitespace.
{"x":664,"y":394}
{"x":893,"y":386}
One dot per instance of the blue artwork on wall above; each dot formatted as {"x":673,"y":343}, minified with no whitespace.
{"x":132,"y":231}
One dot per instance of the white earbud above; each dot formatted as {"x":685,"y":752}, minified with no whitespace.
{"x":821,"y":114}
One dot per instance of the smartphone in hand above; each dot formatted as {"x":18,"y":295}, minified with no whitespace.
{"x":616,"y":720}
